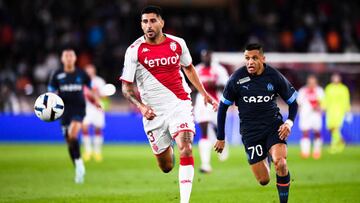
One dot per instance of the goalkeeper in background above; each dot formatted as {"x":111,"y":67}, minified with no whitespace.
{"x":336,"y":104}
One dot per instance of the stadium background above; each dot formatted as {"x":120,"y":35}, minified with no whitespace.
{"x":33,"y":33}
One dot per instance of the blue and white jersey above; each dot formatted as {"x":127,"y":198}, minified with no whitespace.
{"x":70,"y":86}
{"x":255,"y":96}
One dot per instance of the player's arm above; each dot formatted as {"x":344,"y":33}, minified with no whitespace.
{"x":192,"y":75}
{"x":53,"y":85}
{"x":226,"y":101}
{"x":288,"y":94}
{"x":128,"y":90}
{"x":93,"y":95}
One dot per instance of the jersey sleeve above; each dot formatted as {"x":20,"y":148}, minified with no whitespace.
{"x":130,"y":65}
{"x":286,"y":91}
{"x":185,"y":58}
{"x":228,"y":96}
{"x":53,"y":83}
{"x":87,"y":80}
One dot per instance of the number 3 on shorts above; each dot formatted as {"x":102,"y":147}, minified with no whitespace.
{"x":258,"y":149}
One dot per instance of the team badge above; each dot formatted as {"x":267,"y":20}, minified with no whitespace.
{"x":173,"y":46}
{"x":243,"y":80}
{"x":270,"y":87}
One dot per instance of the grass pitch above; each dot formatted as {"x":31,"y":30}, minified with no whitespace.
{"x":43,"y":173}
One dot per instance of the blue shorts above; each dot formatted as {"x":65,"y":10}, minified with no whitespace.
{"x":72,"y":113}
{"x":257,"y":150}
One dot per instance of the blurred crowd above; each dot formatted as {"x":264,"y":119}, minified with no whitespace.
{"x":32,"y":33}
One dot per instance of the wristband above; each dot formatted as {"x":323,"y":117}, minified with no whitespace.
{"x":289,"y":122}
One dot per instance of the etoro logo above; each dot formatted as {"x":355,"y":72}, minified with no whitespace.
{"x":171,"y":60}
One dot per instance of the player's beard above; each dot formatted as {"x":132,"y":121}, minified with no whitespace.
{"x":151,"y":35}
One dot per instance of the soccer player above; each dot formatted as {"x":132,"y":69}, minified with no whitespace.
{"x":94,"y":117}
{"x":309,"y":100}
{"x":154,"y":60}
{"x":69,"y":83}
{"x":213,"y":76}
{"x":254,"y":89}
{"x":336,"y":104}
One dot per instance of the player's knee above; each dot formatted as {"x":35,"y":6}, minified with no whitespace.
{"x":166,"y":168}
{"x":280,"y":164}
{"x":264,"y":181}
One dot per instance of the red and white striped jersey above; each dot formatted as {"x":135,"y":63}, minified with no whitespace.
{"x":156,"y":70}
{"x":309,"y":99}
{"x":215,"y":74}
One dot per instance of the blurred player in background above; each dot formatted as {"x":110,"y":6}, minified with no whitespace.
{"x":94,"y":117}
{"x":310,"y":116}
{"x":213,"y":76}
{"x":154,"y":61}
{"x":68,"y":82}
{"x":254,"y":89}
{"x":336,"y":104}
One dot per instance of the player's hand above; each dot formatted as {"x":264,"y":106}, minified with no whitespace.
{"x":209,"y":100}
{"x":284,"y":131}
{"x":219,"y":146}
{"x":147,"y":112}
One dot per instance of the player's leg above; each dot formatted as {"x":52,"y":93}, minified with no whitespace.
{"x":279,"y":154}
{"x":98,"y":142}
{"x":317,"y":145}
{"x":166,"y":160}
{"x":334,"y":123}
{"x":257,"y":158}
{"x":184,"y":142}
{"x":74,"y":148}
{"x":305,"y":144}
{"x":86,"y":141}
{"x":261,"y":171}
{"x":305,"y":123}
{"x":205,"y":147}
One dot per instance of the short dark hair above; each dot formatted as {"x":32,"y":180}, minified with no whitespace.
{"x":254,"y":46}
{"x":152,"y":9}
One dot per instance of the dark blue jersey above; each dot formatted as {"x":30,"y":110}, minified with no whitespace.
{"x":255,"y":96}
{"x":70,"y":86}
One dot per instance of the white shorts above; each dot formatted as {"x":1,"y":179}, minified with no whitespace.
{"x":203,"y":113}
{"x":94,"y":117}
{"x":310,"y":121}
{"x":165,"y":127}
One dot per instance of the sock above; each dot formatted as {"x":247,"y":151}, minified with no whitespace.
{"x":336,"y":137}
{"x":98,"y":142}
{"x":283,"y":185}
{"x":205,"y":153}
{"x":186,"y":176}
{"x":87,"y":143}
{"x":317,"y":147}
{"x":74,"y":149}
{"x":305,"y":146}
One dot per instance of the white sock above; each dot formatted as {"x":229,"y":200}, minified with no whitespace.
{"x":98,"y":142}
{"x":317,"y":146}
{"x":87,"y":143}
{"x":79,"y":164}
{"x":205,"y":153}
{"x":305,"y":146}
{"x":186,"y":176}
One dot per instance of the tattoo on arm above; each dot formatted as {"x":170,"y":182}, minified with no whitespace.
{"x":129,"y":93}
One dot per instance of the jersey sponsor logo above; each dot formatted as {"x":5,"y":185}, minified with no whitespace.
{"x":246,"y":86}
{"x":71,"y":88}
{"x":270,"y":87}
{"x":243,"y":80}
{"x":257,"y":99}
{"x":173,"y":46}
{"x":144,"y":50}
{"x":163,"y":61}
{"x":61,"y":76}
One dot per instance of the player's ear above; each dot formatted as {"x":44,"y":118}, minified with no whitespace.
{"x":162,"y":22}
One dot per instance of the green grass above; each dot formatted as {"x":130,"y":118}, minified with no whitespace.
{"x":43,"y":173}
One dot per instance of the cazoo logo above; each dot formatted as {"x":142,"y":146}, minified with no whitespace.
{"x":257,"y":99}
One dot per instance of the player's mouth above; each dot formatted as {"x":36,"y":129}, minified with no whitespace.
{"x":251,"y":68}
